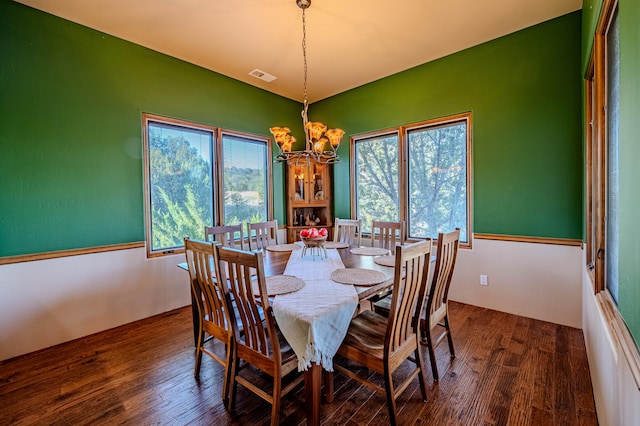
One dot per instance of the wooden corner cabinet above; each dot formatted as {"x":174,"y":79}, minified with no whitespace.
{"x":308,"y":197}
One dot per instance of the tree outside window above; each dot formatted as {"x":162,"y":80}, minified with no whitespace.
{"x":434,"y":155}
{"x":377,"y":185}
{"x":183,"y":192}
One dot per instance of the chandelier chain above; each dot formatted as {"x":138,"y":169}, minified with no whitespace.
{"x":317,"y":136}
{"x":304,"y":57}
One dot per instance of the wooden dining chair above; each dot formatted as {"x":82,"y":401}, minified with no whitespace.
{"x":387,"y":234}
{"x":437,"y":305}
{"x":226,"y":235}
{"x":383,"y":344}
{"x":260,"y":345}
{"x":215,"y":314}
{"x":348,"y":231}
{"x":262,"y":234}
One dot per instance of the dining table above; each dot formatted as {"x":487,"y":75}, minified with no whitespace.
{"x":315,"y":319}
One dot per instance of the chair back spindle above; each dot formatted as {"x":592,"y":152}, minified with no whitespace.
{"x":262,"y":234}
{"x":226,"y":235}
{"x":387,"y":234}
{"x":348,"y":231}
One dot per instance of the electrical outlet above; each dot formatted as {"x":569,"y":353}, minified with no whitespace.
{"x":483,"y":280}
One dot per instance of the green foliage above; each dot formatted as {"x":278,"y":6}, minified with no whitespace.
{"x":188,"y":219}
{"x":181,"y":190}
{"x":377,"y":174}
{"x":244,"y":195}
{"x":182,"y":194}
{"x":437,"y":183}
{"x":437,"y":188}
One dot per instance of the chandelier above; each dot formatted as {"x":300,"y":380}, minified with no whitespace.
{"x":317,"y":136}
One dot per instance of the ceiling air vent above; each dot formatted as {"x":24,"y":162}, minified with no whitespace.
{"x":262,"y":75}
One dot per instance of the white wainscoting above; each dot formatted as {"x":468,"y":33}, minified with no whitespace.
{"x":615,"y":391}
{"x":541,"y":281}
{"x":43,"y":303}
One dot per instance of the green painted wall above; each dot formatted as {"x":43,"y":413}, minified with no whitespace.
{"x":524,"y":91}
{"x":590,"y":15}
{"x":71,"y":99}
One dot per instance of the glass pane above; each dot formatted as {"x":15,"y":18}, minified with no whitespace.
{"x":316,"y":181}
{"x":377,"y":192}
{"x":594,"y":180}
{"x":613,"y":86}
{"x":180,"y":184}
{"x":244,"y":182}
{"x":299,"y":177}
{"x":438,"y":180}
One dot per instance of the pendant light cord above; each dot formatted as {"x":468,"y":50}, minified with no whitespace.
{"x":305,"y":119}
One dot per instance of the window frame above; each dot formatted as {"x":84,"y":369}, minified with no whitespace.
{"x":403,"y":167}
{"x":268,"y":194}
{"x":364,"y":137}
{"x":217,"y":171}
{"x":596,"y":143}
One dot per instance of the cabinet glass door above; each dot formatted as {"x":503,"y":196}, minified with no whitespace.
{"x":298,"y":183}
{"x":317,"y":182}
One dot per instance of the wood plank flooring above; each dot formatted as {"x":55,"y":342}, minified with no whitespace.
{"x":508,"y":370}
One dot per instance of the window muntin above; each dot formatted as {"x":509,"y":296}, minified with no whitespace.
{"x":432,"y":179}
{"x":437,"y":181}
{"x":244,"y":179}
{"x":377,"y":179}
{"x":185,"y":175}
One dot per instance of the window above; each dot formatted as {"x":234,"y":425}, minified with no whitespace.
{"x":435,"y":166}
{"x":377,"y":179}
{"x":197,"y":176}
{"x":244,"y":179}
{"x":612,"y":75}
{"x":602,"y":96}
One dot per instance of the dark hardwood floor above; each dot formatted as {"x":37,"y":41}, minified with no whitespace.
{"x":508,"y":370}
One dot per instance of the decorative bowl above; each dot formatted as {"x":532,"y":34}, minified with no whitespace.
{"x":315,"y":246}
{"x":313,"y":242}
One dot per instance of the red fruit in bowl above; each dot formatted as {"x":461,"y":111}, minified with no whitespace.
{"x":323,"y":232}
{"x":304,"y":233}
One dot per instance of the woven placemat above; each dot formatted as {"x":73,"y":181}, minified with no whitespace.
{"x":388,"y":260}
{"x":358,"y":276}
{"x":335,"y":245}
{"x":280,"y":284}
{"x":283,"y":247}
{"x":369,"y":251}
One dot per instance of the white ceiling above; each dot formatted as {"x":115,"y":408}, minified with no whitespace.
{"x":349,"y":42}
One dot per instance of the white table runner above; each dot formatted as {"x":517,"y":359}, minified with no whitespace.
{"x":315,"y":319}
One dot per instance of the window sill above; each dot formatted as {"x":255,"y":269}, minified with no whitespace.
{"x":620,"y":333}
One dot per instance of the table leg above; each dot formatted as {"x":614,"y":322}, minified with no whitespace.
{"x":312,"y":385}
{"x":328,"y":386}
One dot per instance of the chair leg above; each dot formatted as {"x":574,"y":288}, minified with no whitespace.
{"x":391,"y":397}
{"x":233,"y":384}
{"x":275,"y":403}
{"x":228,"y":371}
{"x":446,"y":326}
{"x":421,"y":376}
{"x":196,"y":370}
{"x":432,"y":356}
